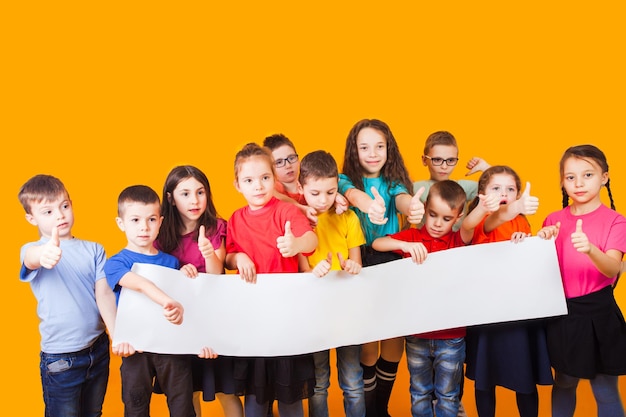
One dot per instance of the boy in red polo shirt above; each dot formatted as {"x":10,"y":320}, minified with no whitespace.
{"x":439,"y":353}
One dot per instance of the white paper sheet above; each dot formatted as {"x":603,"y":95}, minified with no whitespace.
{"x":287,"y":314}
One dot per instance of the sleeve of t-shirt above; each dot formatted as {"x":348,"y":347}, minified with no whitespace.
{"x":397,"y":189}
{"x":345,"y":183}
{"x":115,"y":268}
{"x":100,"y":260}
{"x":355,"y":237}
{"x":219,"y":235}
{"x":616,"y":239}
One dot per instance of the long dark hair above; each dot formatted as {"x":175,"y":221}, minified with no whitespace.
{"x":393,"y":172}
{"x":169,"y":235}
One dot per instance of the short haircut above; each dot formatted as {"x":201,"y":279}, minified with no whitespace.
{"x":40,"y":188}
{"x":439,"y":138}
{"x":318,"y":164}
{"x":449,"y":191}
{"x":276,"y":141}
{"x":137,"y":194}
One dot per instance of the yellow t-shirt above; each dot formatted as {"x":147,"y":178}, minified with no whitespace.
{"x":336,"y":233}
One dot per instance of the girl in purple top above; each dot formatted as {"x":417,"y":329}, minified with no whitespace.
{"x":194,"y":233}
{"x":590,"y":341}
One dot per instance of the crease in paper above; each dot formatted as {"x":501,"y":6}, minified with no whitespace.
{"x":288,"y":314}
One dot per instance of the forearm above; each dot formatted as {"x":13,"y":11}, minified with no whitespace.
{"x":403,"y":203}
{"x":306,"y":243}
{"x":358,"y":199}
{"x":387,"y":244}
{"x":609,"y":263}
{"x":32,"y":257}
{"x":214,"y":264}
{"x":140,"y":284}
{"x":105,"y":300}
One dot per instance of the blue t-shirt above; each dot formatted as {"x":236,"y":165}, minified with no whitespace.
{"x":389,"y":194}
{"x":121,"y":263}
{"x":66,"y":295}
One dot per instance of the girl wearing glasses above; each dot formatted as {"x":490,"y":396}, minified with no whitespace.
{"x":376,"y":183}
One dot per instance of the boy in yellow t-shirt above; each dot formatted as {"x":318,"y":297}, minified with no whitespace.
{"x":339,"y":240}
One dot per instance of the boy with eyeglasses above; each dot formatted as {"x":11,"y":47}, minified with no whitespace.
{"x":441,"y":155}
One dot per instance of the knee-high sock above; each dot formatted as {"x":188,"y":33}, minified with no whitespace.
{"x":528,"y":404}
{"x":369,"y":381}
{"x":385,"y":377}
{"x":486,"y":402}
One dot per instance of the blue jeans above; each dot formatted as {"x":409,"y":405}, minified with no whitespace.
{"x":74,"y":383}
{"x":350,"y":376}
{"x":435,"y":366}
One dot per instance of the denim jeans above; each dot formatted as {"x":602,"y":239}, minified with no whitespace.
{"x":435,"y":366}
{"x":74,"y":383}
{"x":350,"y":376}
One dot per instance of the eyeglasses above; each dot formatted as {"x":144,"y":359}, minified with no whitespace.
{"x":439,"y":161}
{"x":283,"y":161}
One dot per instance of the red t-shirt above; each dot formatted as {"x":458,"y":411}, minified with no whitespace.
{"x":254,"y":232}
{"x":451,"y":240}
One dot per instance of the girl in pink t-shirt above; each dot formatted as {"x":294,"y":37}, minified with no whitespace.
{"x":590,"y":341}
{"x":194,"y":233}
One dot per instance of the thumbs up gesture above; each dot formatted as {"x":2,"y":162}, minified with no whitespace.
{"x":51,"y":250}
{"x":527,"y":204}
{"x":323,"y":267}
{"x":416,"y":207}
{"x":286,"y":243}
{"x":489,"y":202}
{"x":349,"y":265}
{"x":377,"y":209}
{"x":579,"y":238}
{"x":204,"y":244}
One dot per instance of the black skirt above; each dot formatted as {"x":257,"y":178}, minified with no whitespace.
{"x":513,"y":355}
{"x":591,"y":338}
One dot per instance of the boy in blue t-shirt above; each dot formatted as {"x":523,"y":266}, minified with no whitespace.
{"x":139,"y":216}
{"x":74,"y":302}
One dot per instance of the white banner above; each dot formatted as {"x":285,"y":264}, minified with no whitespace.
{"x":287,"y":314}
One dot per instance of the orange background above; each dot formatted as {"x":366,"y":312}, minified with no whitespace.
{"x":105,"y":95}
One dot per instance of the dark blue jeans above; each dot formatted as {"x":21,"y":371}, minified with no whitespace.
{"x":74,"y":383}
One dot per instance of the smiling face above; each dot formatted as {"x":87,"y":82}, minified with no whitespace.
{"x":372,"y":148}
{"x":582,"y":180}
{"x":440,"y":217}
{"x":503,"y":185}
{"x":48,"y":214}
{"x":255,"y":181}
{"x":141,"y":223}
{"x":440,"y":152}
{"x":190,"y":199}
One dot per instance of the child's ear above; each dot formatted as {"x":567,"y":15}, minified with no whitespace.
{"x":30,"y":219}
{"x":424,"y":160}
{"x":169,"y":199}
{"x":299,"y":188}
{"x":120,"y":223}
{"x":236,"y":184}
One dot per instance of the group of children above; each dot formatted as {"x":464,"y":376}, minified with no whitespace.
{"x":305,"y":216}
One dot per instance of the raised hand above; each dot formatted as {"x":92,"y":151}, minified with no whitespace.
{"x":204,"y":244}
{"x":476,"y":164}
{"x":549,"y":232}
{"x":323,"y":267}
{"x":51,"y":250}
{"x":489,"y":202}
{"x":286,"y":243}
{"x":579,"y":238}
{"x":173,"y":312}
{"x":416,"y":207}
{"x":376,"y":211}
{"x":349,"y":265}
{"x":527,"y":204}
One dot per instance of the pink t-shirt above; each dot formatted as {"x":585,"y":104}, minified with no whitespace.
{"x":187,"y":251}
{"x":254,"y":232}
{"x":605,"y":228}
